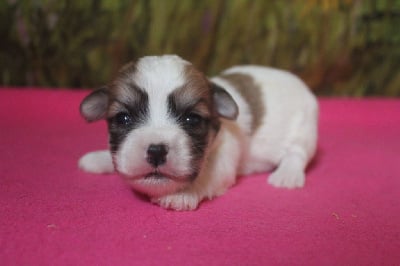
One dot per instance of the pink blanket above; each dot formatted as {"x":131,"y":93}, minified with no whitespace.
{"x":53,"y":214}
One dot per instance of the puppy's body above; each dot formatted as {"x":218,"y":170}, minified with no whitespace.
{"x":191,"y":136}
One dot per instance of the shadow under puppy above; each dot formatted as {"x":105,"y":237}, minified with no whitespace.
{"x":179,"y":137}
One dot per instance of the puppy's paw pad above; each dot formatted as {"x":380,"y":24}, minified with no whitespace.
{"x":179,"y":202}
{"x":287,"y":179}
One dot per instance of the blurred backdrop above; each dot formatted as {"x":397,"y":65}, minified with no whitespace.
{"x":339,"y":47}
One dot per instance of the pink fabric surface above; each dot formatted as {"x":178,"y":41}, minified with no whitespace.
{"x":53,"y":214}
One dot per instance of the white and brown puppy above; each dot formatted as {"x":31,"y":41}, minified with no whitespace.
{"x":179,"y":137}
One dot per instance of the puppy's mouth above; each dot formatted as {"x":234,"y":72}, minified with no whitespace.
{"x":157,"y":183}
{"x":156,"y":175}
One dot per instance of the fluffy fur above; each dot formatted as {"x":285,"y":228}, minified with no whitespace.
{"x":179,"y":137}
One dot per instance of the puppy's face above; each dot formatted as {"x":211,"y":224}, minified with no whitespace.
{"x":162,"y":116}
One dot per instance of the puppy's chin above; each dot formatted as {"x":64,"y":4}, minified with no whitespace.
{"x":157,"y":184}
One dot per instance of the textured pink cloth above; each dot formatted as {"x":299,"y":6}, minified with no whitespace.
{"x":53,"y":214}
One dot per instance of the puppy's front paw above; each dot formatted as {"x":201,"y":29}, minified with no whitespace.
{"x":98,"y":162}
{"x":287,"y":177}
{"x":182,"y":201}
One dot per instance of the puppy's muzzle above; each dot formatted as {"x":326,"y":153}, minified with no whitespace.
{"x":157,"y":154}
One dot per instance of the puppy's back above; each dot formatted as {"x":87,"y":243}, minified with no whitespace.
{"x":276,"y":109}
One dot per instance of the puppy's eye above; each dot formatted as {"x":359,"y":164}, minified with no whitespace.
{"x":192,"y":120}
{"x":123,"y":119}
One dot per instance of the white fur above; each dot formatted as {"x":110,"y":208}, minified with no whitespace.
{"x":131,"y":158}
{"x":286,"y":139}
{"x":98,"y":162}
{"x":159,"y":78}
{"x":289,"y":127}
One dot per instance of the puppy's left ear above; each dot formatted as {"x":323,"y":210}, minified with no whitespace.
{"x":94,"y":106}
{"x":224,"y":104}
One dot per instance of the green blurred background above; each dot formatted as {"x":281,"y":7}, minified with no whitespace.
{"x":339,"y":47}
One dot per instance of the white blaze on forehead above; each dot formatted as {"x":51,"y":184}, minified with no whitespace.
{"x":159,"y":76}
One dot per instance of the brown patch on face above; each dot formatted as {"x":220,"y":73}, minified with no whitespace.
{"x":128,"y":106}
{"x":125,"y":95}
{"x":195,"y":93}
{"x":199,"y":87}
{"x":196,"y":96}
{"x":123,"y":88}
{"x":251,"y":92}
{"x":192,"y":107}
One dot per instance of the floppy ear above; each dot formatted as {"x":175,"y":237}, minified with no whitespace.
{"x":224,"y":104}
{"x":94,"y":106}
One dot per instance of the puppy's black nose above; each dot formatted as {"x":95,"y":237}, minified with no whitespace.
{"x":157,"y":154}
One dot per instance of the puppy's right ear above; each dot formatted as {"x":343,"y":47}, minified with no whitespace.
{"x":94,"y":106}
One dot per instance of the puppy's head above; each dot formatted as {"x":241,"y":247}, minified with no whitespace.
{"x":162,"y":116}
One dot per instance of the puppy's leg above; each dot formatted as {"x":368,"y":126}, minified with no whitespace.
{"x":291,"y":170}
{"x":98,"y":162}
{"x":302,"y":145}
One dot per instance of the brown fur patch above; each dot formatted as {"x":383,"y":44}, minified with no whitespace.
{"x":195,"y":94}
{"x":124,"y":92}
{"x":251,"y":92}
{"x":125,"y":98}
{"x":194,"y":98}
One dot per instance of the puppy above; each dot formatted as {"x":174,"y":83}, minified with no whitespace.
{"x":179,"y":137}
